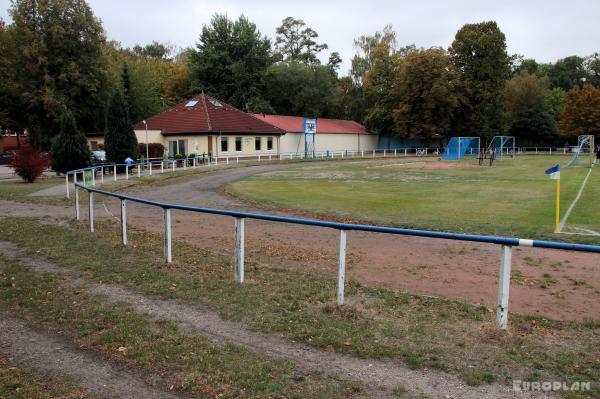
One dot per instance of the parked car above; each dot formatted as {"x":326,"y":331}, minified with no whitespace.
{"x":5,"y":157}
{"x":99,"y":156}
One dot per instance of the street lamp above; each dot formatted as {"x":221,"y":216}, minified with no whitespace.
{"x":144,"y":121}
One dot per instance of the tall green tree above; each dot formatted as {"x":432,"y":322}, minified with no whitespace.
{"x":69,"y":148}
{"x":59,"y":63}
{"x":529,"y":116}
{"x":479,"y":53}
{"x":567,"y":73}
{"x":120,"y":141}
{"x":230,"y":62}
{"x":296,"y":42}
{"x":304,"y":90}
{"x":581,"y":114}
{"x":555,"y":99}
{"x":430,"y":92}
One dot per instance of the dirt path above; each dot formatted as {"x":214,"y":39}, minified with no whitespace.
{"x":379,"y":375}
{"x":58,"y":357}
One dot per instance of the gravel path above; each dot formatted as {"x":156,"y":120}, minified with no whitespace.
{"x":380,"y":375}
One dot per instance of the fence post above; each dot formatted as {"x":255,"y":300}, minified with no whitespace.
{"x":91,"y":210}
{"x":341,"y":268}
{"x":238,"y":256}
{"x":173,"y":165}
{"x":150,"y":170}
{"x":93,"y":176}
{"x":124,"y":221}
{"x":395,"y":152}
{"x":77,"y":216}
{"x":67,"y":182}
{"x":139,"y":169}
{"x":162,"y":166}
{"x":405,"y":152}
{"x":102,"y":175}
{"x":373,"y":153}
{"x":185,"y":161}
{"x":362,"y":154}
{"x":126,"y":172}
{"x":115,"y":172}
{"x":227,"y":160}
{"x":167,"y":216}
{"x":384,"y":153}
{"x":503,"y":287}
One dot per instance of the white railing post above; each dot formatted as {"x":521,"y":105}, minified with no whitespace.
{"x":173,"y":165}
{"x":185,"y":160}
{"x":384,"y":153}
{"x":115,"y":172}
{"x":102,"y":175}
{"x":194,"y":163}
{"x":77,"y":215}
{"x":67,"y":183}
{"x":238,"y":255}
{"x":93,"y":170}
{"x":150,"y":168}
{"x":124,"y":221}
{"x":91,"y":210}
{"x":167,"y":237}
{"x":362,"y":154}
{"x":341,"y":268}
{"x":126,"y":172}
{"x":405,"y":152}
{"x":373,"y":153}
{"x":395,"y":152}
{"x":503,"y":287}
{"x":139,"y":169}
{"x":162,"y":166}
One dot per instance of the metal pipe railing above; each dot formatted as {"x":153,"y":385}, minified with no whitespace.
{"x":506,"y":243}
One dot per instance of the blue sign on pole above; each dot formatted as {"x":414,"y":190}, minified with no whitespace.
{"x":310,"y":130}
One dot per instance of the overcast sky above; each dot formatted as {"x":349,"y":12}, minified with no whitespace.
{"x":544,"y":30}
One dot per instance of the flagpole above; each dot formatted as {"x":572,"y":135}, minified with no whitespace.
{"x":557,"y":229}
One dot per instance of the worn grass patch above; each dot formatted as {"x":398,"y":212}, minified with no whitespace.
{"x":19,"y":191}
{"x":191,"y":363}
{"x":425,"y":332}
{"x":23,"y":383}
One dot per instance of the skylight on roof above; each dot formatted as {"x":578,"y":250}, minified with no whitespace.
{"x":191,"y":103}
{"x":214,"y":102}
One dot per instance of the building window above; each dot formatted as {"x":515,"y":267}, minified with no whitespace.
{"x":269,"y":143}
{"x":257,"y":143}
{"x":177,"y":147}
{"x":224,"y":144}
{"x":238,"y":144}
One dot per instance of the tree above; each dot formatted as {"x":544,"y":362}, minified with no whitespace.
{"x":230,"y":62}
{"x":363,"y":61}
{"x":581,"y":114}
{"x":429,"y":94}
{"x":120,"y":141}
{"x":59,"y":63}
{"x":127,"y":89}
{"x":69,"y":148}
{"x":567,"y":73}
{"x":555,"y":99}
{"x":304,"y":90}
{"x":295,"y":42}
{"x":29,"y":163}
{"x":528,"y":112}
{"x":479,"y":53}
{"x":334,"y":62}
{"x":154,"y":50}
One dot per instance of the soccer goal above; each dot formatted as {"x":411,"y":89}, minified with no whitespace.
{"x":584,"y":150}
{"x":504,"y":146}
{"x":461,"y":147}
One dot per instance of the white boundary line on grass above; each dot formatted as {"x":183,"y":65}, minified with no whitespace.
{"x":568,"y":213}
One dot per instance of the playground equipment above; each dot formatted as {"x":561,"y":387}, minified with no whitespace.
{"x":460,"y":147}
{"x":504,"y":146}
{"x":585,"y":147}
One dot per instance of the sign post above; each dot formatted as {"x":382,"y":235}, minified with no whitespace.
{"x":310,"y":130}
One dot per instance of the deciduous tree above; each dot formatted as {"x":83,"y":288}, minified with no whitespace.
{"x":295,"y":42}
{"x":581,"y":114}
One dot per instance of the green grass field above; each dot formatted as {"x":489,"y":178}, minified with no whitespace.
{"x":514,"y":197}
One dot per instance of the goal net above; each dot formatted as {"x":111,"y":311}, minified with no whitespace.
{"x":504,"y":146}
{"x":584,"y":150}
{"x":461,"y":147}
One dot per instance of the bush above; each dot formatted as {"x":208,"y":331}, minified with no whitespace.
{"x":155,"y":150}
{"x":29,"y":163}
{"x":179,"y":156}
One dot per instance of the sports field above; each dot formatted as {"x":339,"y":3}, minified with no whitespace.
{"x":513,"y":197}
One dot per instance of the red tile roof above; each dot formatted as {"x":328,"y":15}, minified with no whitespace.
{"x":207,"y":115}
{"x":295,"y":124}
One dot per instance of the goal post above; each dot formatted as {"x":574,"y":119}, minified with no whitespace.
{"x":504,"y":146}
{"x":585,"y":149}
{"x":461,"y":147}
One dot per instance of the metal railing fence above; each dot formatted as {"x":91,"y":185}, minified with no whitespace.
{"x":506,"y":243}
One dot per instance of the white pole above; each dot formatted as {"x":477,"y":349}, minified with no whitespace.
{"x":405,"y":152}
{"x":77,"y":216}
{"x":185,"y":163}
{"x":167,"y":216}
{"x":503,"y":287}
{"x":150,"y":165}
{"x":124,"y":221}
{"x":67,"y":183}
{"x":238,"y":256}
{"x":91,"y":210}
{"x":127,"y":172}
{"x":384,"y":153}
{"x":115,"y":172}
{"x":173,"y":164}
{"x":373,"y":153}
{"x":162,"y":166}
{"x":93,"y":170}
{"x":194,"y":163}
{"x":362,"y":154}
{"x":102,"y":175}
{"x":139,"y":165}
{"x":395,"y":152}
{"x":341,"y":268}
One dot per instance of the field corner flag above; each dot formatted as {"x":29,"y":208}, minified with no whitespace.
{"x":554,"y":173}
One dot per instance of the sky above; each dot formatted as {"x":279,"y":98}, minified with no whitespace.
{"x":544,"y":30}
